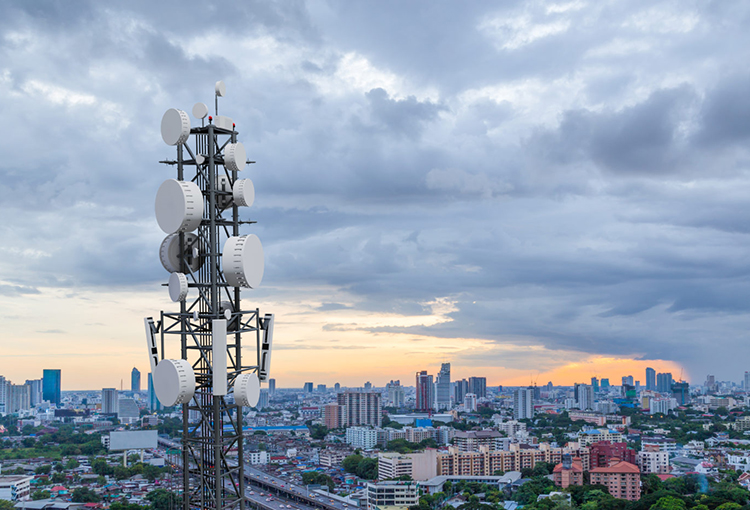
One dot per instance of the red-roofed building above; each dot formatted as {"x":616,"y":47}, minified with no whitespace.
{"x":622,"y":479}
{"x":568,"y":472}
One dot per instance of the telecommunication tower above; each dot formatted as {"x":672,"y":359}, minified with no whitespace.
{"x":207,"y":371}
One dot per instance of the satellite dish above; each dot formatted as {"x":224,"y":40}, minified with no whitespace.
{"x":178,"y":287}
{"x":223,"y":184}
{"x":235,"y":156}
{"x":243,"y":262}
{"x":175,"y":127}
{"x":220,"y":88}
{"x":174,"y":382}
{"x":200,"y":110}
{"x":179,"y":206}
{"x":169,"y":252}
{"x":199,"y":159}
{"x":247,"y":390}
{"x":243,"y":193}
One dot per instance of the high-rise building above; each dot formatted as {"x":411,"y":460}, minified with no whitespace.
{"x":584,"y":395}
{"x":308,"y":388}
{"x":628,"y":380}
{"x":19,"y":398}
{"x":681,"y":392}
{"x":333,"y":415}
{"x":153,"y":402}
{"x":470,"y":402}
{"x":605,"y":383}
{"x":443,"y":387}
{"x":460,"y":389}
{"x":478,"y":386}
{"x":4,"y":385}
{"x":271,"y":387}
{"x":110,"y":401}
{"x":337,"y":387}
{"x":262,"y":399}
{"x":361,"y":408}
{"x":664,"y":382}
{"x":368,"y":386}
{"x":35,"y":387}
{"x":747,"y":381}
{"x":322,"y":388}
{"x":523,"y":405}
{"x":135,"y":380}
{"x":395,"y":393}
{"x":51,"y":385}
{"x":595,"y":384}
{"x":425,"y":392}
{"x":650,"y":379}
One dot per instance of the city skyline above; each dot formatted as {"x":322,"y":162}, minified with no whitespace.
{"x":552,"y":190}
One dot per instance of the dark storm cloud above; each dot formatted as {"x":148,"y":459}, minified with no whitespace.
{"x":569,"y":175}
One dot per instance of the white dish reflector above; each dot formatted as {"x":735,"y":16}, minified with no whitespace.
{"x":243,"y":192}
{"x":247,"y":390}
{"x":179,"y":206}
{"x":220,"y":88}
{"x":175,"y":127}
{"x":243,"y":261}
{"x":178,"y":287}
{"x":169,"y":252}
{"x":174,"y":382}
{"x":200,"y":110}
{"x":235,"y":156}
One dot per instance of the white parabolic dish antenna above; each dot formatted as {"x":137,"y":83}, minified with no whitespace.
{"x":235,"y":156}
{"x":175,"y":127}
{"x":243,"y":193}
{"x":220,"y":88}
{"x":174,"y":382}
{"x":247,"y":390}
{"x":178,"y":287}
{"x":169,"y":252}
{"x":243,"y":262}
{"x":179,"y":206}
{"x":200,"y":110}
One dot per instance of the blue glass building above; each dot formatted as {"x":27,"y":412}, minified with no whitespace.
{"x":51,"y":385}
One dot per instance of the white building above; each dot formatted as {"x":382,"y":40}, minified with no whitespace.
{"x":662,"y":405}
{"x":15,"y":487}
{"x":258,"y":457}
{"x":470,"y":402}
{"x":361,"y":437}
{"x":523,"y":403}
{"x":391,"y":495}
{"x":656,"y":462}
{"x":511,"y":427}
{"x":587,"y":437}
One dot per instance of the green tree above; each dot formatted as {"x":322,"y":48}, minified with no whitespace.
{"x":669,"y":503}
{"x":58,"y":478}
{"x":72,"y":464}
{"x":7,"y":505}
{"x":40,"y":494}
{"x":368,"y":469}
{"x":351,"y":463}
{"x":84,"y":495}
{"x":43,"y":470}
{"x":162,"y":499}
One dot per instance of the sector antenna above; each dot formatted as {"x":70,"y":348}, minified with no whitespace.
{"x":212,"y":355}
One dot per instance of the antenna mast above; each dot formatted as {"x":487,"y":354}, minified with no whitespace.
{"x":208,"y":261}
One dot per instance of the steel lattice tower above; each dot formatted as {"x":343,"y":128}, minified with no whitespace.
{"x":209,"y":327}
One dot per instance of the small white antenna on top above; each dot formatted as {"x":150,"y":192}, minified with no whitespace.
{"x":221,"y":90}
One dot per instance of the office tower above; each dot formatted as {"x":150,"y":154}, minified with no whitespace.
{"x":395,"y":393}
{"x":478,"y":386}
{"x":51,"y":385}
{"x":549,"y":386}
{"x":470,"y":402}
{"x":110,"y":403}
{"x":628,"y":380}
{"x":681,"y":392}
{"x":271,"y":387}
{"x":443,"y":387}
{"x":337,"y":386}
{"x":360,"y":407}
{"x":650,"y":379}
{"x":368,"y":386}
{"x":425,"y":392}
{"x":605,"y":383}
{"x":322,"y":388}
{"x":584,"y":396}
{"x":35,"y":386}
{"x":523,"y":405}
{"x":595,"y":384}
{"x":460,"y":389}
{"x":127,"y":411}
{"x":308,"y":388}
{"x":153,"y":402}
{"x":664,"y":382}
{"x":263,"y":399}
{"x":537,"y":393}
{"x":135,"y":380}
{"x":4,"y":384}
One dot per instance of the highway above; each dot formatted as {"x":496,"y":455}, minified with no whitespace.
{"x":268,"y":492}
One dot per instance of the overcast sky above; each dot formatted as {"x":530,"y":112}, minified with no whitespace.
{"x":525,"y":189}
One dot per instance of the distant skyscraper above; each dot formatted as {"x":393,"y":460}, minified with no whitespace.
{"x":135,"y":380}
{"x":333,"y":415}
{"x":595,"y":384}
{"x":425,"y":392}
{"x":271,"y":387}
{"x":470,"y":402}
{"x":322,"y":388}
{"x":19,"y":398}
{"x":478,"y":386}
{"x":51,"y":385}
{"x":395,"y":394}
{"x":681,"y":392}
{"x":360,"y":408}
{"x":337,"y":386}
{"x":584,"y":395}
{"x":650,"y":379}
{"x":263,"y":399}
{"x":628,"y":380}
{"x":308,"y":388}
{"x":523,"y":405}
{"x":368,"y":386}
{"x":747,"y":381}
{"x":664,"y":382}
{"x":443,"y":387}
{"x":110,"y":402}
{"x":4,"y":385}
{"x":35,"y":386}
{"x":605,"y":383}
{"x":460,"y":389}
{"x":153,"y":402}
